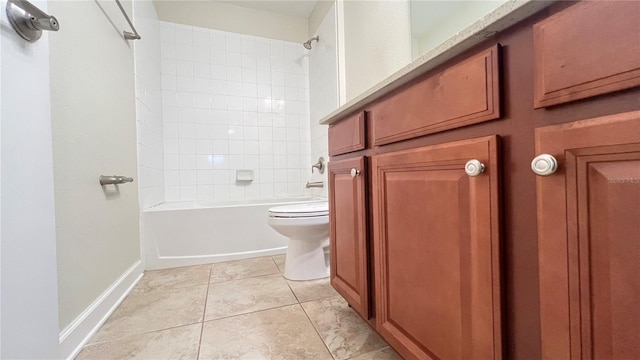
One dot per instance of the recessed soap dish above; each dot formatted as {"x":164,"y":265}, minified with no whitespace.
{"x":244,"y":175}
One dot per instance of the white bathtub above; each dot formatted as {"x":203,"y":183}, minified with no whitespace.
{"x":190,"y":233}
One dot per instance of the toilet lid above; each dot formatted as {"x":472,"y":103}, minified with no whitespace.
{"x":301,"y":210}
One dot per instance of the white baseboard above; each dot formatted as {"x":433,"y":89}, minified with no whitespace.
{"x":76,"y":334}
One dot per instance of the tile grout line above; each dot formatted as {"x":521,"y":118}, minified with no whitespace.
{"x":252,"y":312}
{"x":317,"y":331}
{"x":243,"y":278}
{"x":139,"y":334}
{"x":305,"y":312}
{"x":204,"y":313}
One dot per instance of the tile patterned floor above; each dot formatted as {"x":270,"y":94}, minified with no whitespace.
{"x":235,"y":310}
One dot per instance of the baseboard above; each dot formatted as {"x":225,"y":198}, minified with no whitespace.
{"x":76,"y":334}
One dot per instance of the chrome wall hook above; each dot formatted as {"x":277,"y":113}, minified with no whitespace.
{"x":29,"y":21}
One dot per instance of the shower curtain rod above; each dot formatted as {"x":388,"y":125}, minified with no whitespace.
{"x":127,"y":34}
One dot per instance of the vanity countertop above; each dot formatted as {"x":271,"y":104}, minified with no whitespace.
{"x":499,"y":19}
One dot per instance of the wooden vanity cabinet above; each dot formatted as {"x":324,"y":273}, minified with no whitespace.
{"x":506,"y":264}
{"x":589,"y":239}
{"x":437,"y":251}
{"x":348,"y":232}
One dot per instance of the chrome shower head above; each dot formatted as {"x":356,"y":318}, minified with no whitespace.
{"x":307,"y":44}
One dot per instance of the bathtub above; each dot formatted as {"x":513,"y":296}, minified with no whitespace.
{"x":191,"y":233}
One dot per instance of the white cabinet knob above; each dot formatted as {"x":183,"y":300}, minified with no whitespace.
{"x":544,"y":165}
{"x":355,"y":172}
{"x":474,"y":167}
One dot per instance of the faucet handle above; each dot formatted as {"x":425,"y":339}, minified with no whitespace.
{"x":320,"y":165}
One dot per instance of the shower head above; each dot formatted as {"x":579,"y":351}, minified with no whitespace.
{"x":307,"y":44}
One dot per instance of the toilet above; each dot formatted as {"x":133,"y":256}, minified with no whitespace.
{"x":307,"y":227}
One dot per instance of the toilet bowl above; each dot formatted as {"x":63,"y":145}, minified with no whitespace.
{"x":307,"y":227}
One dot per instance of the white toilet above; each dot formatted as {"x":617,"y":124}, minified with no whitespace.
{"x":307,"y":227}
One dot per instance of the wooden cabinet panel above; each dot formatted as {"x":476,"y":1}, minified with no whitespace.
{"x":348,"y":236}
{"x":347,"y":135}
{"x":589,"y":239}
{"x":463,"y":94}
{"x":591,"y":48}
{"x":437,"y":247}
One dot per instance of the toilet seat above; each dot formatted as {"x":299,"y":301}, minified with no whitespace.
{"x":304,"y":210}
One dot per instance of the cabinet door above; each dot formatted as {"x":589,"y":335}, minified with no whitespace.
{"x":349,"y":250}
{"x":589,"y":239}
{"x":437,"y":247}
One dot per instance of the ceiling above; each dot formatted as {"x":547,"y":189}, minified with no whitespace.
{"x":298,"y":8}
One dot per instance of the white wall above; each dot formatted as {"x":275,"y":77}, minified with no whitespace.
{"x":29,"y":304}
{"x":464,"y":14}
{"x":233,"y":102}
{"x":323,"y":89}
{"x":319,"y":13}
{"x":377,"y":41}
{"x":149,"y":105}
{"x":94,"y":132}
{"x":232,"y":18}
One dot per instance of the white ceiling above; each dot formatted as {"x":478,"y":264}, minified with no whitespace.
{"x":299,"y":8}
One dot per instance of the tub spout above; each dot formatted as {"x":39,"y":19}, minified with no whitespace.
{"x":315,"y":184}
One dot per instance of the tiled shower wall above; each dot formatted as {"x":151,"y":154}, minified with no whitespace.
{"x":233,"y":102}
{"x":148,"y":106}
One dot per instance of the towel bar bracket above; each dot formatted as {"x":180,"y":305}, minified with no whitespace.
{"x":128,"y":34}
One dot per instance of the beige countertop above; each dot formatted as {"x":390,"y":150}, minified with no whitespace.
{"x":499,"y":19}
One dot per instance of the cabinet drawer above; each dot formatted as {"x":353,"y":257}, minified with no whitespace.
{"x":347,"y":135}
{"x":464,"y":94}
{"x":589,"y":49}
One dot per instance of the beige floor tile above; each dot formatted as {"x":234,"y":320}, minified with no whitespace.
{"x":173,"y":278}
{"x":154,"y":310}
{"x":312,"y":289}
{"x":279,"y":260}
{"x":247,"y":295}
{"x":382,"y":354}
{"x":344,"y":332}
{"x":283,"y":333}
{"x":241,"y":269}
{"x":176,"y":343}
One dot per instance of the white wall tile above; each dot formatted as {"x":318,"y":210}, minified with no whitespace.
{"x":184,"y":35}
{"x":155,"y":70}
{"x":231,"y":102}
{"x":201,"y":37}
{"x":188,"y":193}
{"x":184,"y":68}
